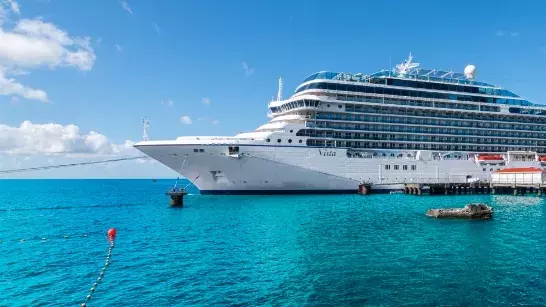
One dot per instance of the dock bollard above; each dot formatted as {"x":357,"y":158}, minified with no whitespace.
{"x":177,"y":197}
{"x":364,"y":189}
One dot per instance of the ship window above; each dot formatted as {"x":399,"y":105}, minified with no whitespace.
{"x":268,"y":140}
{"x":291,"y":131}
{"x":195,"y":150}
{"x":328,"y":105}
{"x":339,"y":106}
{"x":405,"y":167}
{"x":289,"y":140}
{"x":300,"y":141}
{"x":387,"y":167}
{"x":201,"y":150}
{"x":413,"y":167}
{"x":278,"y":140}
{"x":396,"y":167}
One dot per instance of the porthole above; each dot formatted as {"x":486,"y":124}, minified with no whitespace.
{"x":300,"y":141}
{"x":289,"y":140}
{"x":291,"y":131}
{"x":339,"y":106}
{"x":278,"y":140}
{"x":268,"y":140}
{"x":328,"y":105}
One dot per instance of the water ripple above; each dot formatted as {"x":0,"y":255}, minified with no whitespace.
{"x":275,"y":250}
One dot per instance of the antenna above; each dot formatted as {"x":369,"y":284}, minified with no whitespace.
{"x":279,"y":94}
{"x":146,"y":125}
{"x":405,"y":67}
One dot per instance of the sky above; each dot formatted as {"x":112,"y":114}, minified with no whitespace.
{"x":78,"y":77}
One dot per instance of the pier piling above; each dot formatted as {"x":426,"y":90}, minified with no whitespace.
{"x":177,"y":197}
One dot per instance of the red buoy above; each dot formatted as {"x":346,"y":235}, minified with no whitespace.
{"x":111,"y":234}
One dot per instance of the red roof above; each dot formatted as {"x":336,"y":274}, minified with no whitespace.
{"x":521,"y":170}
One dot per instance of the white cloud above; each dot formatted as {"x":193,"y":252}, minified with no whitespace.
{"x":13,"y":5}
{"x":205,"y":100}
{"x":185,"y":119}
{"x":9,"y":86}
{"x":126,"y":7}
{"x":56,"y":139}
{"x":157,"y":28}
{"x":248,"y":70}
{"x":168,"y":102}
{"x":118,"y":47}
{"x":207,"y":118}
{"x":16,"y":71}
{"x":34,"y":43}
{"x":510,"y":33}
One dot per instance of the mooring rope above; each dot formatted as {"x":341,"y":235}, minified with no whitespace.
{"x":111,"y":238}
{"x":19,"y":170}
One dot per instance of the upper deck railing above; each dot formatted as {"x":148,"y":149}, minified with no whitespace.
{"x":429,"y":75}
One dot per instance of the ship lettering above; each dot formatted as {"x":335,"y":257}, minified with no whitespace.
{"x":327,"y":153}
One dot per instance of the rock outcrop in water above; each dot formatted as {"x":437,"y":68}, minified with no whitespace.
{"x":470,"y":211}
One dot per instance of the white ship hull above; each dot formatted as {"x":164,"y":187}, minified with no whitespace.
{"x":262,"y":169}
{"x":385,"y":129}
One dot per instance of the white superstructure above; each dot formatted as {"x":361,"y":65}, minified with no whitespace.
{"x":388,"y":128}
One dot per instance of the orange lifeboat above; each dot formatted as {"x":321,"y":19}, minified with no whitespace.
{"x":490,"y":158}
{"x":542,"y":158}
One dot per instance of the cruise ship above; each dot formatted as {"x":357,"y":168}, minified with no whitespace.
{"x":385,"y":129}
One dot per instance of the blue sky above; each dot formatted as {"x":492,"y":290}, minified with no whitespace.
{"x":216,"y":64}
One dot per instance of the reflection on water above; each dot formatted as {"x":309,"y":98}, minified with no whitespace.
{"x":509,"y":200}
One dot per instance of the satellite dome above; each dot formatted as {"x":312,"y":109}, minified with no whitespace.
{"x":470,"y":71}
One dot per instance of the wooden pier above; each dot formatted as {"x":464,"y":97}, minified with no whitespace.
{"x":518,"y":189}
{"x":448,"y":188}
{"x":514,"y":181}
{"x":474,"y":188}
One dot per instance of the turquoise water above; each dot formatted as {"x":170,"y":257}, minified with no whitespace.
{"x":262,"y":250}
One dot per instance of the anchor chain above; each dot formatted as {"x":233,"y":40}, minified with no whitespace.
{"x":111,"y":237}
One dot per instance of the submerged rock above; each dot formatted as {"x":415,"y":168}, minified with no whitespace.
{"x":470,"y":211}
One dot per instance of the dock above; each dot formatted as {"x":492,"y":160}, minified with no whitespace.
{"x":455,"y":188}
{"x":519,"y":181}
{"x":514,"y":181}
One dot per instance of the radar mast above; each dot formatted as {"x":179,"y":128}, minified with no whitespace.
{"x":404,"y":68}
{"x":146,"y":125}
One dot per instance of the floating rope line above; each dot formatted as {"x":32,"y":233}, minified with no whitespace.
{"x":111,"y":238}
{"x":44,"y":239}
{"x":40,"y":168}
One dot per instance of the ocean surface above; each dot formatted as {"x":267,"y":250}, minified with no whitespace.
{"x":263,"y":250}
